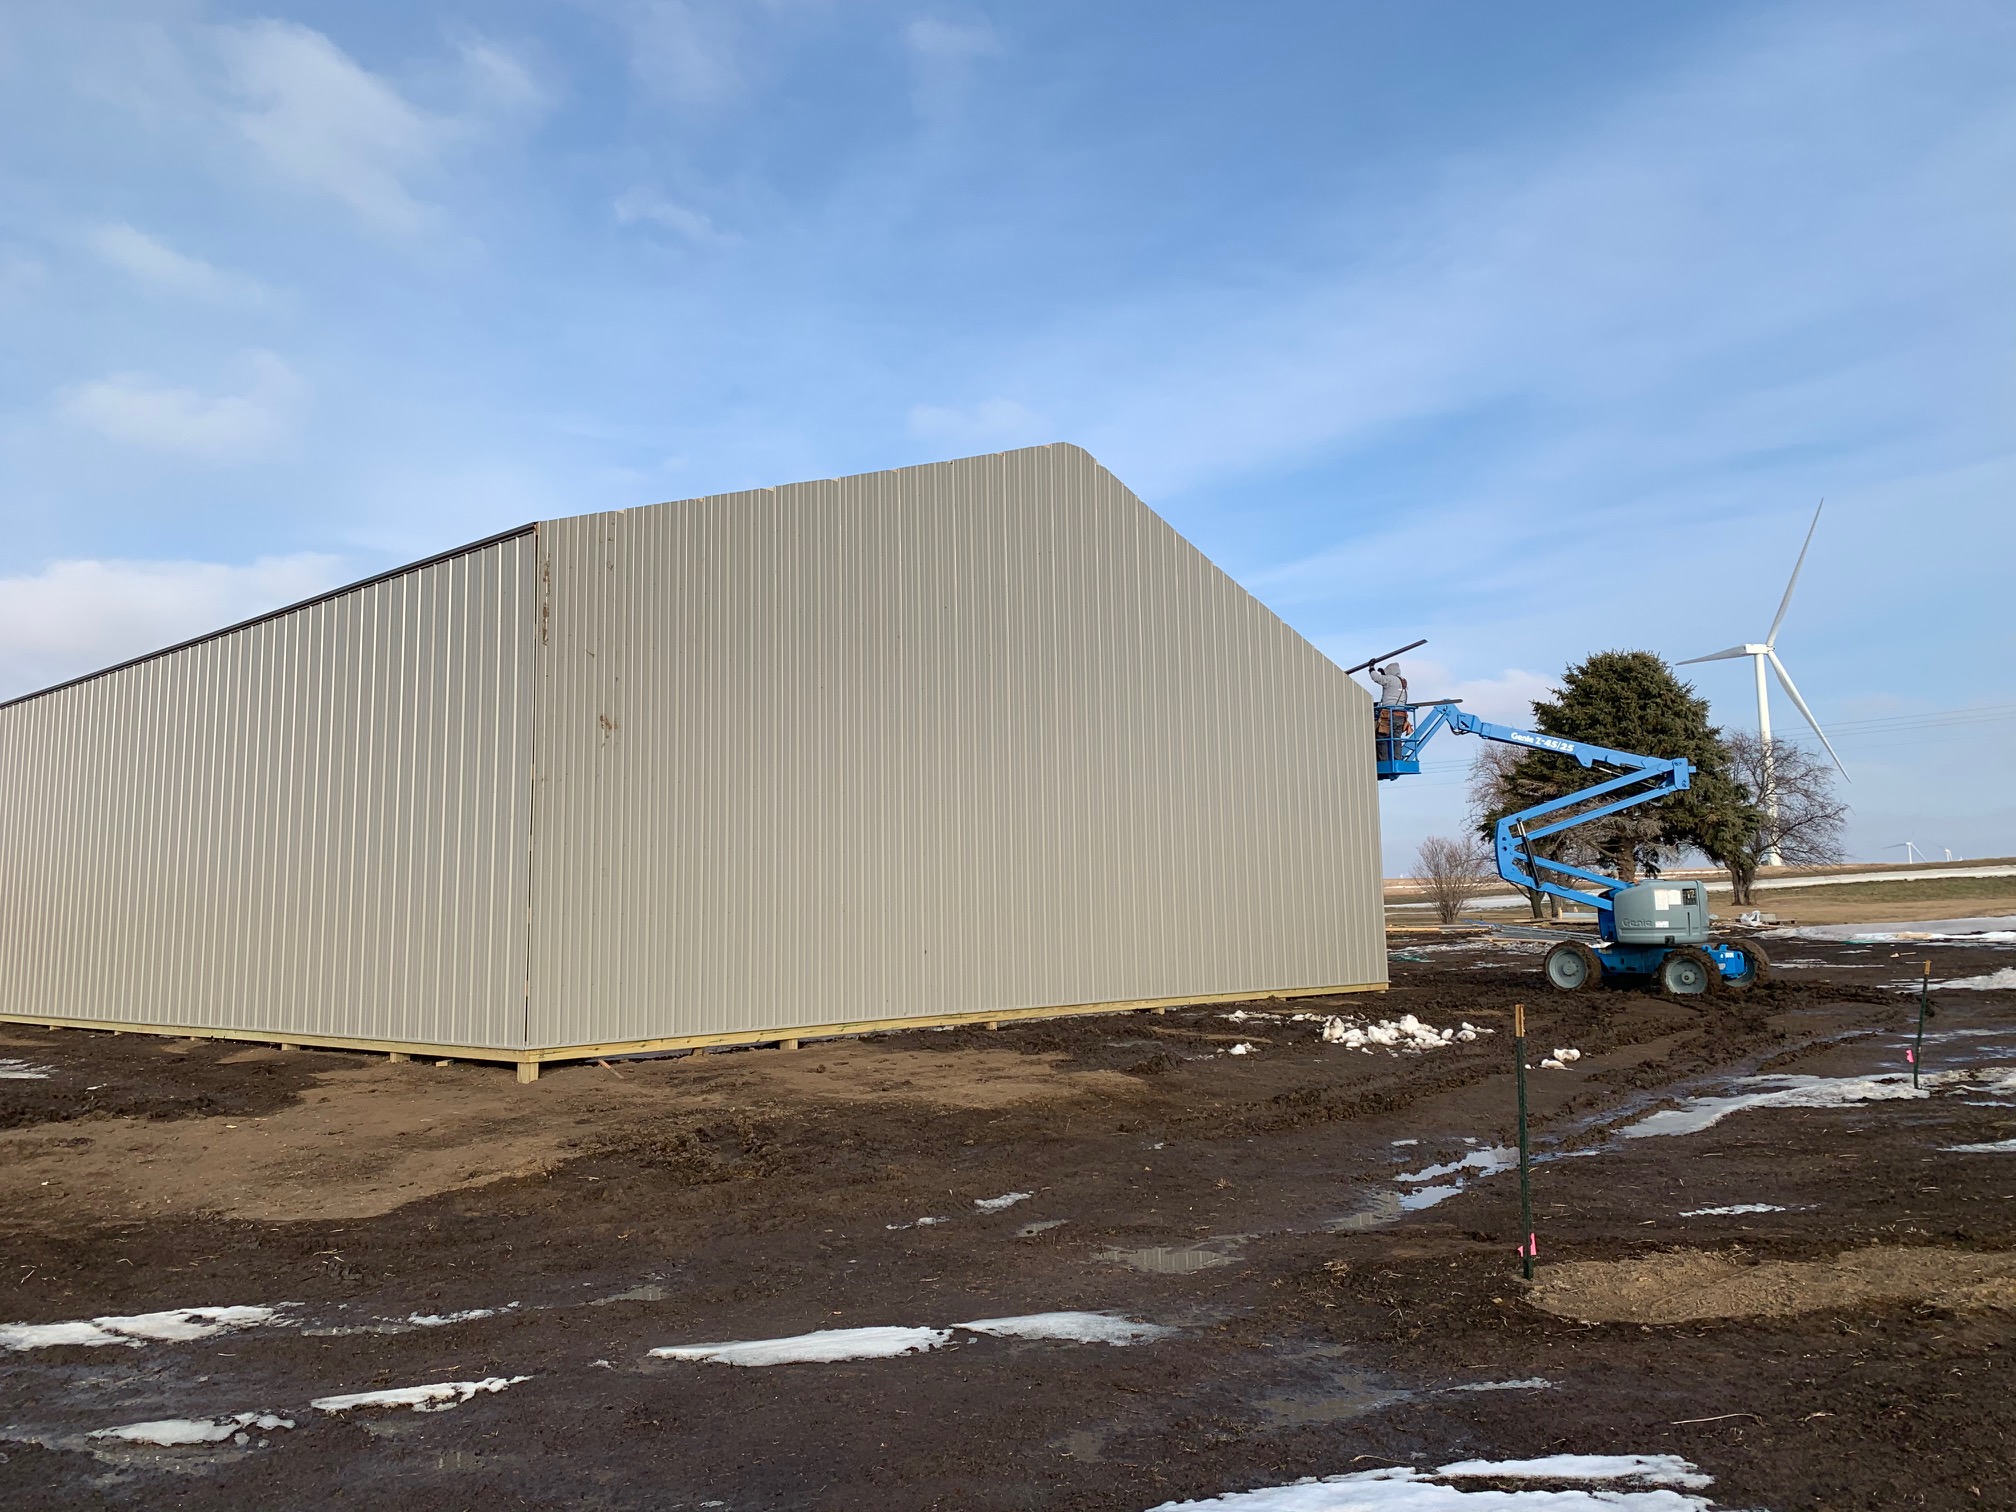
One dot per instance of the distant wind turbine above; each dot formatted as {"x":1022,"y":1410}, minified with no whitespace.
{"x":1759,"y":654}
{"x":1910,"y":850}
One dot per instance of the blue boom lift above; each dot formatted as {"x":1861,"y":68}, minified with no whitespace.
{"x":1657,"y":929}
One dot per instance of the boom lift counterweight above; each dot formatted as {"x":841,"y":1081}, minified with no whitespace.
{"x":1651,"y":929}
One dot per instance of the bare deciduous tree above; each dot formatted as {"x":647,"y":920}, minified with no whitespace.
{"x":1806,"y":830}
{"x":1451,"y":873}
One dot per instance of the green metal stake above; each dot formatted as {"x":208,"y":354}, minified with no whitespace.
{"x":1529,"y":1247}
{"x":1924,"y":1007}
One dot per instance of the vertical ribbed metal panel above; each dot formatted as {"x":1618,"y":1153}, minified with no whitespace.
{"x":975,"y":736}
{"x":315,"y":824}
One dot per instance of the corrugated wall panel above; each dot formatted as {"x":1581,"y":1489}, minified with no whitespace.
{"x":316,"y":824}
{"x":962,"y":738}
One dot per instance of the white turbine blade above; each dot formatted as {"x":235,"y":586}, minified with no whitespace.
{"x":1785,"y":681}
{"x":1793,"y":582}
{"x":1715,"y":656}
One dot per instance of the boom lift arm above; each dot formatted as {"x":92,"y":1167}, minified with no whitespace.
{"x":1651,"y":929}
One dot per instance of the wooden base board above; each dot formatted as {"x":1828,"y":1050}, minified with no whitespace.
{"x":528,"y":1062}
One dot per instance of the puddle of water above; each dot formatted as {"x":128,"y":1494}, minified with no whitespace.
{"x":1426,"y":1197}
{"x":1377,"y":1211}
{"x":649,"y":1292}
{"x":1346,"y":1395}
{"x":1183,"y":1260}
{"x":1041,"y":1226}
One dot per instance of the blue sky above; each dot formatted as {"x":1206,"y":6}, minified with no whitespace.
{"x":1535,"y":330}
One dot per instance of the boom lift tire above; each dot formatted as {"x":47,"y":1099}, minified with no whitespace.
{"x":1759,"y":967}
{"x":1688,"y":972}
{"x":1572,"y":966}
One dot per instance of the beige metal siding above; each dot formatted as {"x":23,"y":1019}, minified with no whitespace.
{"x":316,"y":824}
{"x":975,"y":736}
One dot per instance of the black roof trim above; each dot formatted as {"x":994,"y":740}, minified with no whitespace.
{"x":273,"y":614}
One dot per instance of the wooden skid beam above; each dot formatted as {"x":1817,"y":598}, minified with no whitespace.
{"x":787,"y":1037}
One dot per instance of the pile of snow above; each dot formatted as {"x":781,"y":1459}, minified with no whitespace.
{"x":179,"y":1433}
{"x":1995,"y":981}
{"x":177,"y":1326}
{"x":441,"y":1320}
{"x":1403,"y":1489}
{"x":996,"y":1204}
{"x":1998,"y":930}
{"x":1244,"y":1048}
{"x":828,"y":1346}
{"x":1561,"y":1060}
{"x":20,"y":1070}
{"x":1392,"y":1035}
{"x":438,"y":1397}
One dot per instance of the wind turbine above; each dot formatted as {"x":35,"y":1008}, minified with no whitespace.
{"x":1910,"y":849}
{"x":1759,"y":654}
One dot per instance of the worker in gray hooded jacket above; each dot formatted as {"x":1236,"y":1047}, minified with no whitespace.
{"x":1390,"y":719}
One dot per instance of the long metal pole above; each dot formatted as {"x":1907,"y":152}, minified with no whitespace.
{"x":1528,"y":1246}
{"x":1924,"y":1007}
{"x":1770,"y":770}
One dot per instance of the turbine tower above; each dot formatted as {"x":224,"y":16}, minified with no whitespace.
{"x":1759,"y":654}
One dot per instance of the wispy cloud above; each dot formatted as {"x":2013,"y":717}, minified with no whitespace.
{"x":153,"y":262}
{"x":942,"y":54}
{"x":680,"y":51}
{"x":649,"y":207}
{"x":330,"y":125}
{"x":73,"y":617}
{"x":324,"y":121}
{"x":136,"y":410}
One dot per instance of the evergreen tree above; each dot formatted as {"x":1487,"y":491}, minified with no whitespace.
{"x":1631,"y":701}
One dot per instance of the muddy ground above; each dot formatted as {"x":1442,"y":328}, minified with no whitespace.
{"x":1325,"y":1316}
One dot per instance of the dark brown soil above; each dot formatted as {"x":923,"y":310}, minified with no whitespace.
{"x":1320,"y":1329}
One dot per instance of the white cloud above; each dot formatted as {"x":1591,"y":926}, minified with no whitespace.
{"x":651,"y":207}
{"x":154,"y":262}
{"x":997,"y":421}
{"x":135,"y":410}
{"x":73,"y":617}
{"x":682,"y":51}
{"x":942,"y":55}
{"x":324,"y":121}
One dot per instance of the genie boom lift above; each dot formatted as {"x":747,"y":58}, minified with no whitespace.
{"x":1653,"y":930}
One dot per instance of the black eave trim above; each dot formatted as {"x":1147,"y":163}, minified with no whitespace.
{"x":285,"y":609}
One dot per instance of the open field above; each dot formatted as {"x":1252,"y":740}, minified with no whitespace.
{"x":1806,"y":1292}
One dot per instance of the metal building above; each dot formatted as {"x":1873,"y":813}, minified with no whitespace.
{"x":963,"y":742}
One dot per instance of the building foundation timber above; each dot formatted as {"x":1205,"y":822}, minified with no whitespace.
{"x":529,"y":1062}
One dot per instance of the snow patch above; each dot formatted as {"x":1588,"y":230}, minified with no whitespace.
{"x":1243,"y":1048}
{"x":1994,"y":1147}
{"x":178,"y":1433}
{"x":1996,"y":981}
{"x":822,"y":1347}
{"x":441,"y":1320}
{"x":916,"y":1223}
{"x":1531,"y":1383}
{"x":177,"y":1326}
{"x":1791,"y":1092}
{"x":1485,"y":1162}
{"x":1408,"y":1490}
{"x":20,"y":1070}
{"x":1073,"y":1327}
{"x":1994,"y":930}
{"x":831,"y":1345}
{"x":1393,"y":1035}
{"x":1561,"y":1060}
{"x":438,"y":1397}
{"x":1730,"y":1212}
{"x":996,"y":1204}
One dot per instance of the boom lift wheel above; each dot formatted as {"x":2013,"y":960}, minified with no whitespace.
{"x":1756,"y":966}
{"x":1687,"y":972}
{"x":1572,"y":966}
